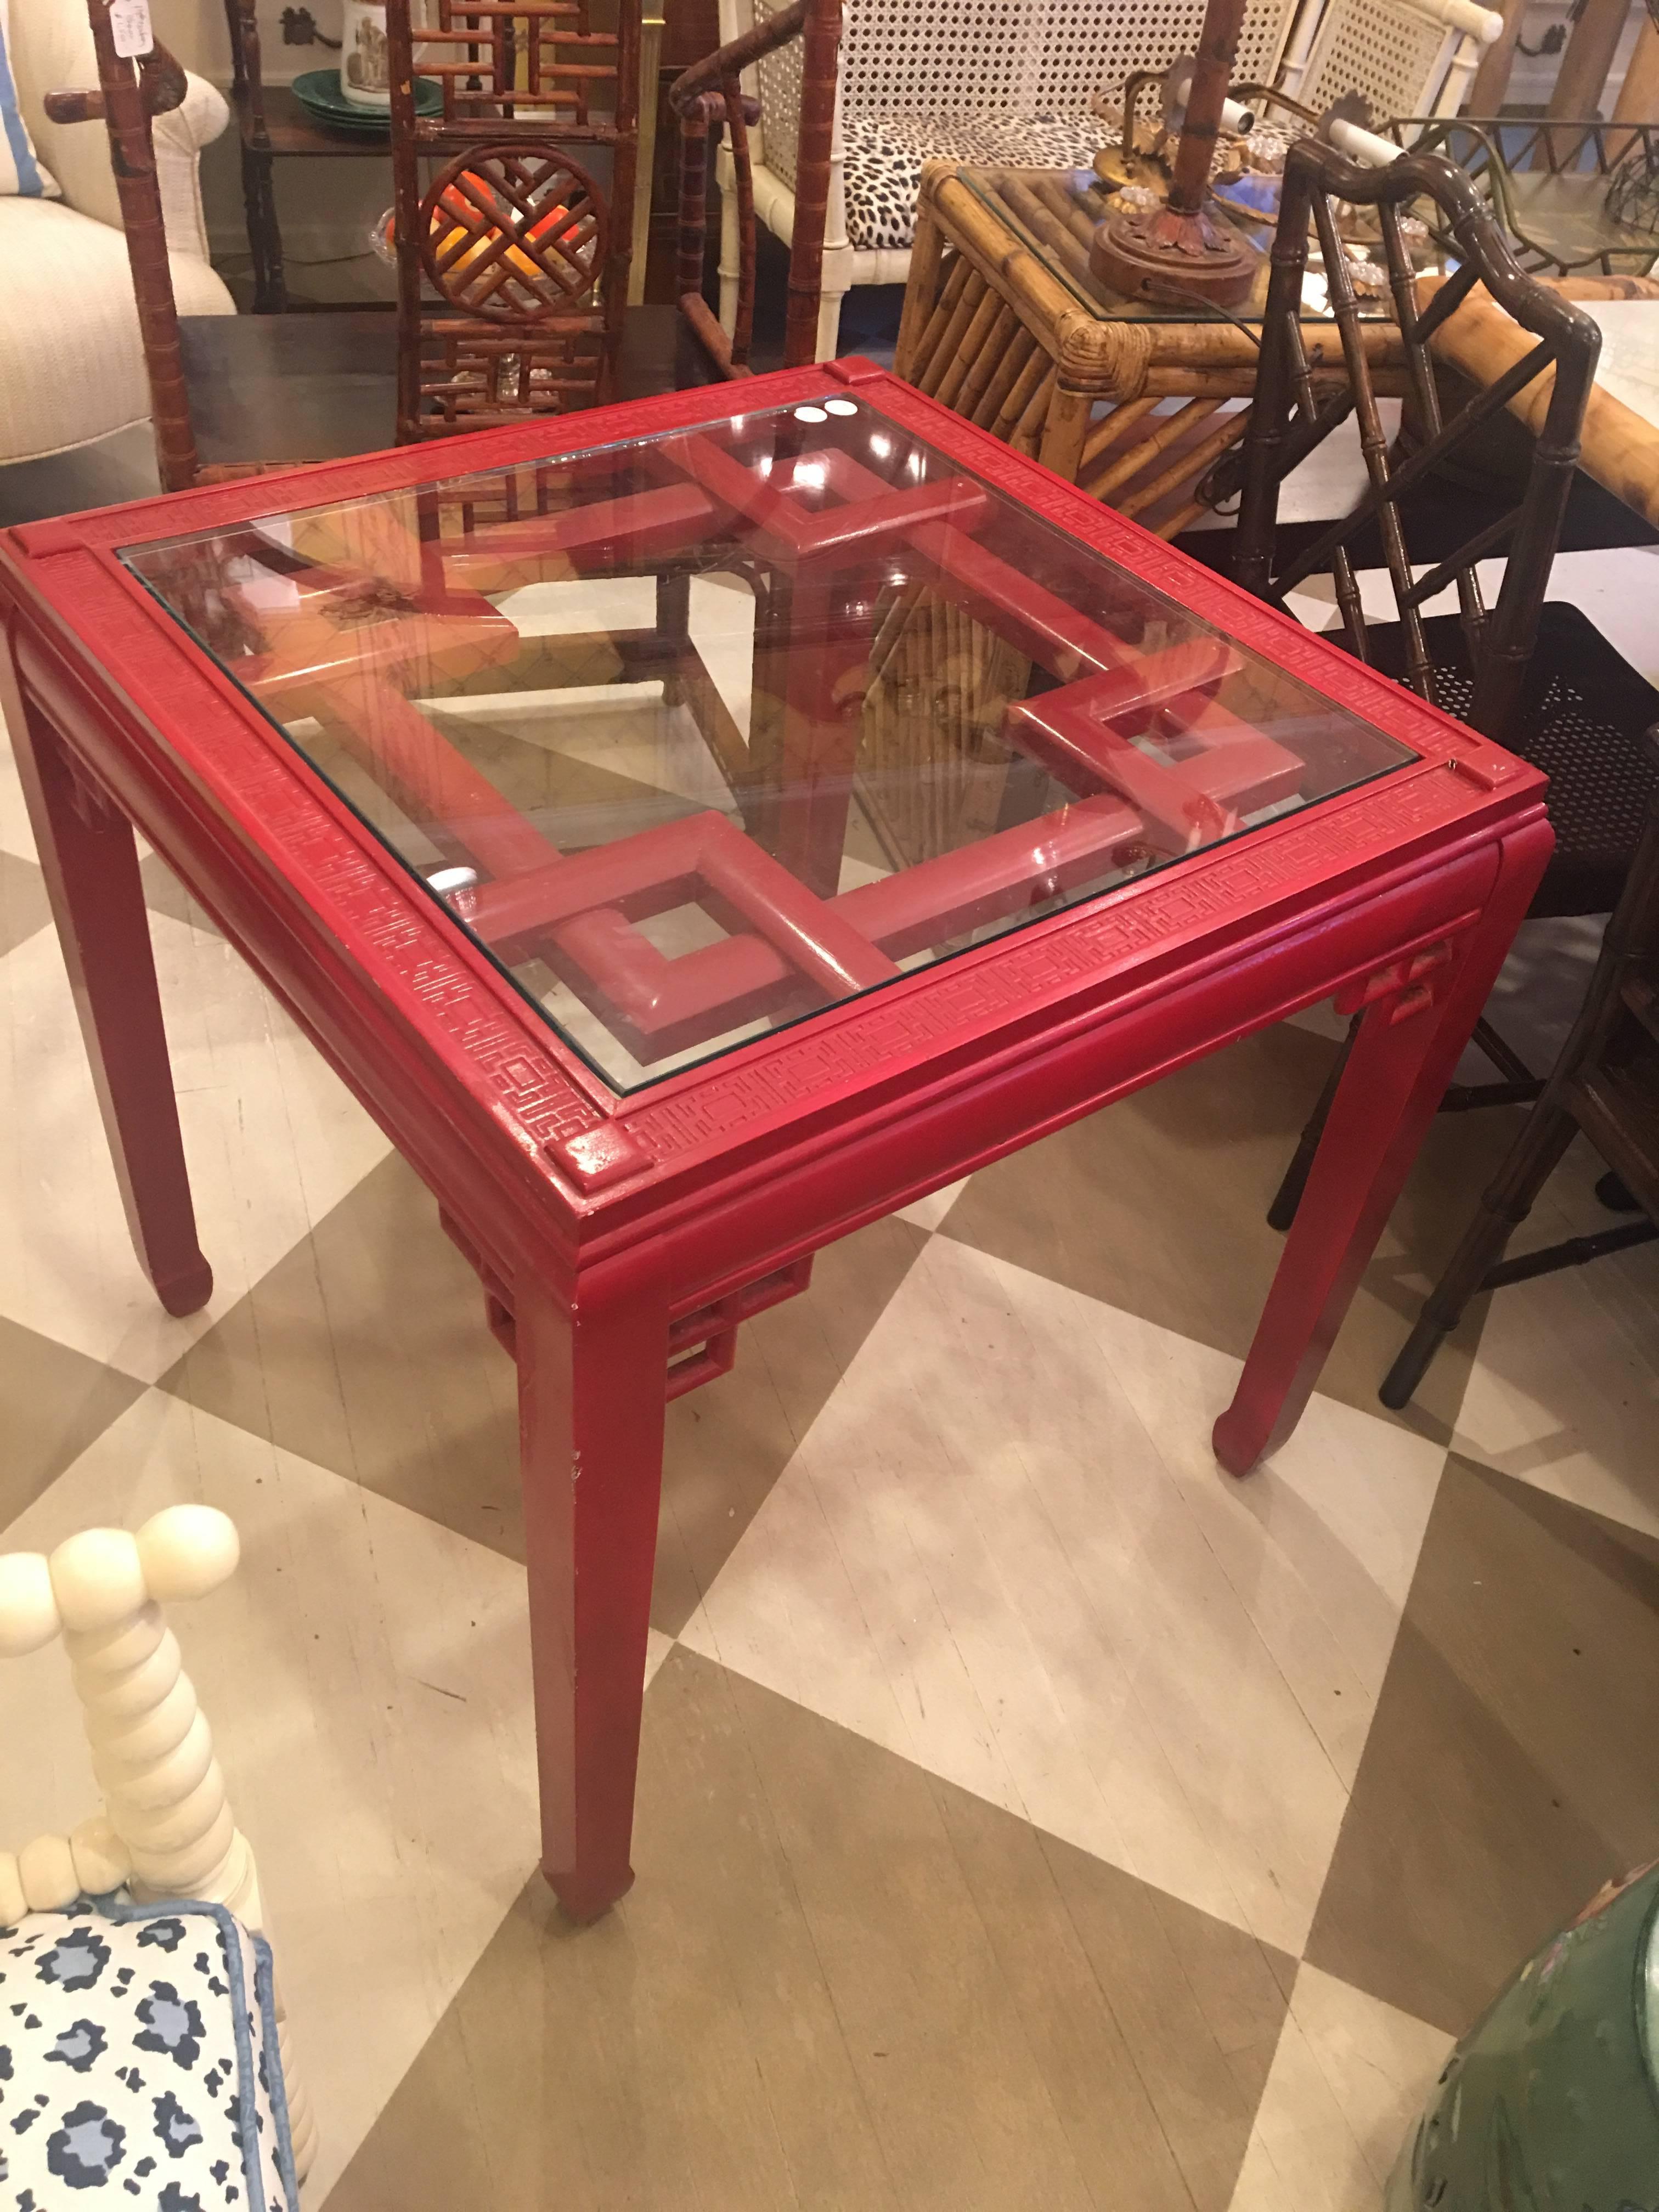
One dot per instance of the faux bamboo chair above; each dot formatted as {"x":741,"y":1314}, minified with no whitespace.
{"x":1531,"y":673}
{"x":708,"y":96}
{"x":1605,"y":1083}
{"x":165,"y":1831}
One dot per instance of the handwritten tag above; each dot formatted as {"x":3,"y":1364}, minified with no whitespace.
{"x":128,"y":23}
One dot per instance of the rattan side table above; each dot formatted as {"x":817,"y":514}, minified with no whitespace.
{"x":1004,"y":323}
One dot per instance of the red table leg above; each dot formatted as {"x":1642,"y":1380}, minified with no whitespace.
{"x":591,"y":1392}
{"x":91,"y":864}
{"x":1396,"y":1074}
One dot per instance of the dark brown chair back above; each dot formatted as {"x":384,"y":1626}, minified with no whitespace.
{"x":1291,"y":416}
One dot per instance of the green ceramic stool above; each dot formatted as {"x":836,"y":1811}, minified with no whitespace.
{"x":1551,"y":2101}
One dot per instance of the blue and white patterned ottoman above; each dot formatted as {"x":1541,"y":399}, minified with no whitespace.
{"x":138,"y":2062}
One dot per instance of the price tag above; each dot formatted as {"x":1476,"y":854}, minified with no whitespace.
{"x":128,"y":23}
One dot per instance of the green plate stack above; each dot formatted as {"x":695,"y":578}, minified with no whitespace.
{"x":318,"y":93}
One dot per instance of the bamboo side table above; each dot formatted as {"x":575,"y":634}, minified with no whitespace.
{"x":1004,"y":322}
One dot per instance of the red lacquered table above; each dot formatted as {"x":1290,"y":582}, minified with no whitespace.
{"x":694,"y":832}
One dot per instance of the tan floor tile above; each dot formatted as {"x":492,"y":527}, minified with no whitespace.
{"x":838,"y":1982}
{"x":1564,"y":1391}
{"x":1349,"y":2078}
{"x":53,"y":1403}
{"x":16,"y":835}
{"x":1158,"y":1206}
{"x":367,"y":1676}
{"x":1005,"y":1551}
{"x":329,"y":1356}
{"x":24,"y":906}
{"x":1512,"y":1766}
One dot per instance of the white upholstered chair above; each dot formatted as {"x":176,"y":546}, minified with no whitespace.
{"x":71,"y":365}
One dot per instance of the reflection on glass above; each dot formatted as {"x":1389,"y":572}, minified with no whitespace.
{"x":1055,"y":212}
{"x":703,"y":733}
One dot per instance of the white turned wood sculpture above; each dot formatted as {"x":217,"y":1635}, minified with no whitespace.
{"x":166,"y":1828}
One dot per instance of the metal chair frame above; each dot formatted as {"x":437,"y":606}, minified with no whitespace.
{"x":1293,"y":414}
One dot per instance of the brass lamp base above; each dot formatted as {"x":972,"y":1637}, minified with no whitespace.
{"x":1143,"y":248}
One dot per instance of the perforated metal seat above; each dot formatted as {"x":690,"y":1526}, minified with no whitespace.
{"x":1582,"y":718}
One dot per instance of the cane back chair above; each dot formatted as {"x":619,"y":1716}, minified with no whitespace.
{"x":1532,"y":674}
{"x":1002,"y":84}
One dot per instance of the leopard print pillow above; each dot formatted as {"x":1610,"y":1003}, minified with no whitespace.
{"x":884,"y":155}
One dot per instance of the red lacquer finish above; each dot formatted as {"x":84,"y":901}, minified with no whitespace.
{"x":621,"y":1237}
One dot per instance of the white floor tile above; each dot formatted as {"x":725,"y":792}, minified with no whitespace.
{"x":1004,"y":1552}
{"x":366,"y":1674}
{"x":930,"y":1212}
{"x":272,"y":1137}
{"x":1349,"y":2078}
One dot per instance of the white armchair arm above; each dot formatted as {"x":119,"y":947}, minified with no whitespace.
{"x":52,"y":51}
{"x":179,"y":137}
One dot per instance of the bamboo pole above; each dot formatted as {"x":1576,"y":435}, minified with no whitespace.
{"x":1617,"y":447}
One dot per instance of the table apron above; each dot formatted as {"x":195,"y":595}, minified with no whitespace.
{"x":791,"y":1190}
{"x":806,"y":1189}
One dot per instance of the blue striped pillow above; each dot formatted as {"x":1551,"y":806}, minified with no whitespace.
{"x":21,"y":173}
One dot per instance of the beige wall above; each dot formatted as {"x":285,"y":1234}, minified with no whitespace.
{"x":195,"y":30}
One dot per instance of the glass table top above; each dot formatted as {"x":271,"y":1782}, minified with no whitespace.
{"x":1055,"y":212}
{"x":700,"y":733}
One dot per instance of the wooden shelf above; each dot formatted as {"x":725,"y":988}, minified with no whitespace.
{"x":290,"y":129}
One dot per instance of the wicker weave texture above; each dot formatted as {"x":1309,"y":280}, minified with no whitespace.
{"x":1027,"y":57}
{"x":1396,"y":59}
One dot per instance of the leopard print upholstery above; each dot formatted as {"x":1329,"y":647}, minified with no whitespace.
{"x":884,"y":155}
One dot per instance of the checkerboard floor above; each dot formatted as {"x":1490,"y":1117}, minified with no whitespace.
{"x":1029,"y":1815}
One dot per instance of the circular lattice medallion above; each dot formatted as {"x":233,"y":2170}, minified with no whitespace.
{"x":512,"y":234}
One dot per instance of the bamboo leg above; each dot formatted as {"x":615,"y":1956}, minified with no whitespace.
{"x":920,"y":293}
{"x":1065,"y":429}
